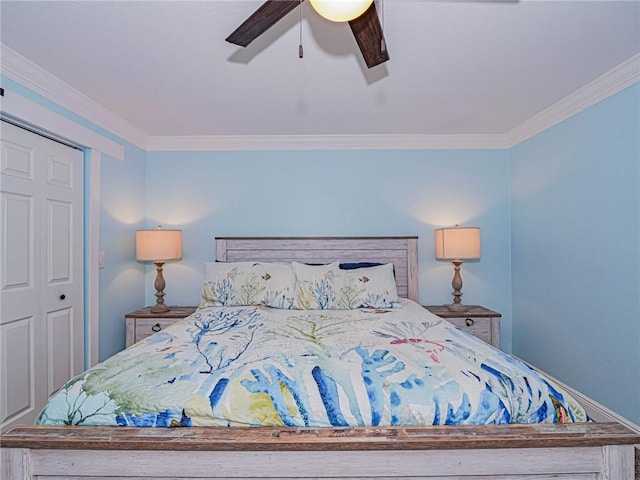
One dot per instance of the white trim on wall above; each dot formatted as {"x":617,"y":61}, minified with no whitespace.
{"x":30,"y":75}
{"x":26,"y":112}
{"x":92,"y":203}
{"x":41,"y":118}
{"x":325,"y":142}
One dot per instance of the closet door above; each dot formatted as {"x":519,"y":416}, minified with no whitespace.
{"x":41,"y":271}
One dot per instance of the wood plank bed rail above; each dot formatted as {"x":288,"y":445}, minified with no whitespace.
{"x":321,"y":439}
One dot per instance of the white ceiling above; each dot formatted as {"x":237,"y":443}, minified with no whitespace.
{"x":457,"y":67}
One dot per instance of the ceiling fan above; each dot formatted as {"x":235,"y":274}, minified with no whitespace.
{"x":366,"y":29}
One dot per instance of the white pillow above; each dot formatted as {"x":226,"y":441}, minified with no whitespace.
{"x":378,"y":283}
{"x":323,"y":287}
{"x":315,"y":288}
{"x":248,"y":283}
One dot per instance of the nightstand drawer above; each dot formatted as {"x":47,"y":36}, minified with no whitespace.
{"x":148,"y":326}
{"x":474,"y":319}
{"x":478,"y":327}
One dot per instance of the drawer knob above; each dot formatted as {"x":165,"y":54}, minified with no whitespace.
{"x":63,"y":296}
{"x":156,"y":327}
{"x":469,"y":322}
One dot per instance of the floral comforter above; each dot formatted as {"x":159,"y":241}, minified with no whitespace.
{"x":262,"y":366}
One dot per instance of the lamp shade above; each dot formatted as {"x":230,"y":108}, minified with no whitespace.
{"x":158,"y":245}
{"x":340,"y":10}
{"x":461,"y":243}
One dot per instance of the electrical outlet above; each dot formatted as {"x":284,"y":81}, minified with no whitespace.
{"x":101,"y":257}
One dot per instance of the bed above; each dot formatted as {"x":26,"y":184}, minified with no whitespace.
{"x":294,"y":411}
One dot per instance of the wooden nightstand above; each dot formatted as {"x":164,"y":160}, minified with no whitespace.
{"x":478,"y":321}
{"x":143,"y":322}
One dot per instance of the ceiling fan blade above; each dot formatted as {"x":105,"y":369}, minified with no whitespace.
{"x":368,"y":32}
{"x":261,"y":20}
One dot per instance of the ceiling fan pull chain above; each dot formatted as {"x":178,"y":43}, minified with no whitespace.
{"x":383,"y":44}
{"x":300,"y":49}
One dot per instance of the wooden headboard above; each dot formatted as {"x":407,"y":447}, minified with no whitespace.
{"x":401,"y":251}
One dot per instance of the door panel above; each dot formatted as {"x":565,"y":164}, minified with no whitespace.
{"x":17,"y":376}
{"x":60,"y":347}
{"x":17,"y":160}
{"x":64,"y":290}
{"x":41,"y":290}
{"x":17,"y":254}
{"x":60,"y":172}
{"x":59,"y":242}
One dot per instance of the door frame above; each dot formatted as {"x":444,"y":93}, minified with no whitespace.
{"x":21,"y":110}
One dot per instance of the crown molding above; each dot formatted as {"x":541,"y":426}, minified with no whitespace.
{"x":326,"y":142}
{"x":28,"y":74}
{"x":612,"y":82}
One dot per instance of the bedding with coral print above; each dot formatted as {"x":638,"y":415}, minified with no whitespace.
{"x":227,"y":366}
{"x":328,"y":287}
{"x":248,"y":283}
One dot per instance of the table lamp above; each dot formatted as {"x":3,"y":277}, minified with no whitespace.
{"x":457,"y":244}
{"x":159,"y":246}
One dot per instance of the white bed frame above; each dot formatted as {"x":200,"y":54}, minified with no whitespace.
{"x":602,"y":450}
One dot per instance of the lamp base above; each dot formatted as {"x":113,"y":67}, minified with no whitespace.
{"x":456,"y":283}
{"x":457,"y":307}
{"x":159,"y":308}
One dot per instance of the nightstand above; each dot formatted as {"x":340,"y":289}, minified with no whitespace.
{"x":478,"y":321}
{"x":143,"y":322}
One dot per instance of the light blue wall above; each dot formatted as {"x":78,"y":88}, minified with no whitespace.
{"x":337,"y":193}
{"x":575,"y":234}
{"x":122,"y":288}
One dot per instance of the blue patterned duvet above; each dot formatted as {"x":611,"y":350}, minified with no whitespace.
{"x":261,"y":366}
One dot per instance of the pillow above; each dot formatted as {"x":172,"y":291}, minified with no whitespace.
{"x":376,"y":286}
{"x":356,"y":265}
{"x":315,"y":289}
{"x":329,"y":287}
{"x":248,"y":283}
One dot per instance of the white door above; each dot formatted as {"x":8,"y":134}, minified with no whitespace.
{"x":41,"y":271}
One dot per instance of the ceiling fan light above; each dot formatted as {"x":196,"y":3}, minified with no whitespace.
{"x":340,"y":10}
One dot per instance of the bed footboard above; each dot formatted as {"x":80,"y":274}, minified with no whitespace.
{"x":515,"y":452}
